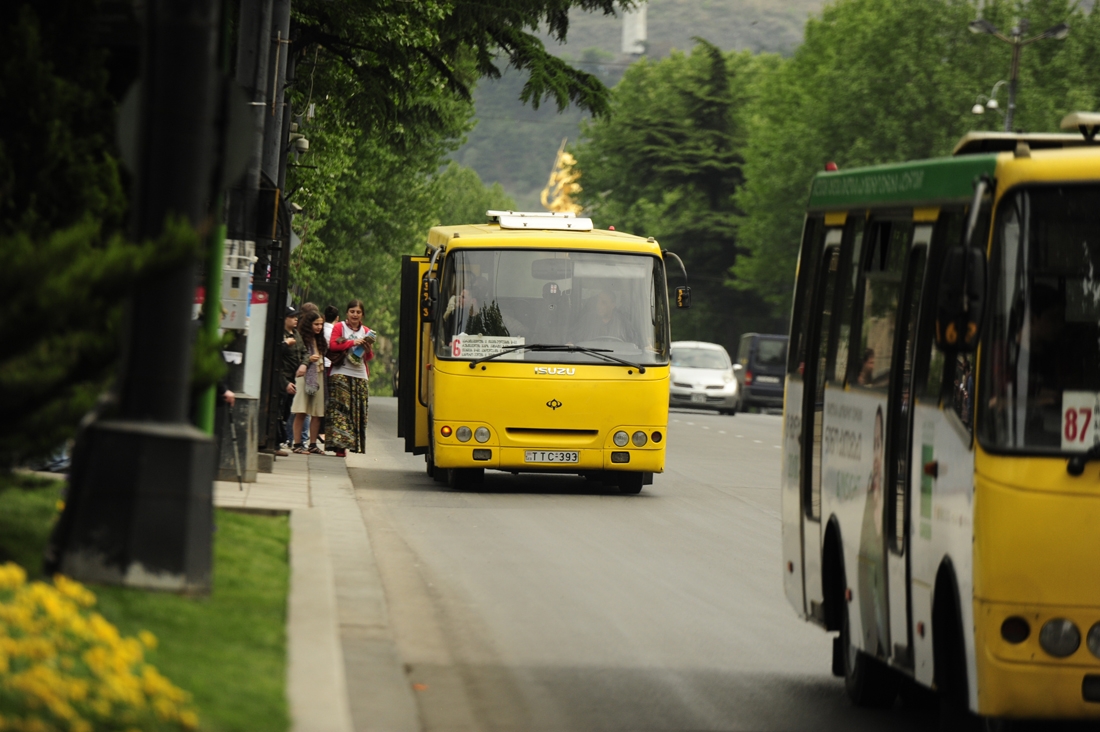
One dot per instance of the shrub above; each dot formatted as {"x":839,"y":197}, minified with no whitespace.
{"x":64,"y":668}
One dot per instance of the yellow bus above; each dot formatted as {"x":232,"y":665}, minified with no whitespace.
{"x":535,"y":342}
{"x":940,"y":495}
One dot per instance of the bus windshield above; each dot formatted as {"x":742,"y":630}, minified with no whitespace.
{"x":495,"y":301}
{"x":1039,"y":377}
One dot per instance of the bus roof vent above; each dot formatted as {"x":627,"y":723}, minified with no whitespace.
{"x":552,"y":220}
{"x":1087,"y":123}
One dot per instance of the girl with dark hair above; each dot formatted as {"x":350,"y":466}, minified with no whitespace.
{"x":349,"y":351}
{"x":310,"y":380}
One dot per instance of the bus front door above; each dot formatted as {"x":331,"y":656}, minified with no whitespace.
{"x":413,"y":340}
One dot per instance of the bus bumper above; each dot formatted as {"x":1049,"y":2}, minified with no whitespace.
{"x":1022,"y":681}
{"x":513,"y":458}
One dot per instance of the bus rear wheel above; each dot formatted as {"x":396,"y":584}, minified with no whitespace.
{"x":867,"y":681}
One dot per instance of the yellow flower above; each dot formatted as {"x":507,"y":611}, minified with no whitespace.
{"x":189,"y":719}
{"x":60,"y":505}
{"x":147,"y":639}
{"x":12,"y":576}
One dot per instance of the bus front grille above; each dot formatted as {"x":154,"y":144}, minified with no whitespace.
{"x":536,"y":437}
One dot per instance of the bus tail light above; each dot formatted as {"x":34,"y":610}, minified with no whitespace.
{"x":1015,"y":629}
{"x":445,"y":431}
{"x":748,"y":378}
{"x":657,"y":437}
{"x":1059,"y":637}
{"x":639,"y":438}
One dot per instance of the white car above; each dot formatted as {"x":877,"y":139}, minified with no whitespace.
{"x":703,"y":377}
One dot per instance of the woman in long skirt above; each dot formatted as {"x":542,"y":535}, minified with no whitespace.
{"x":346,"y":411}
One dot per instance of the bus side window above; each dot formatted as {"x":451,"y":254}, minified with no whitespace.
{"x":885,"y":258}
{"x":850,"y":260}
{"x":813,"y":237}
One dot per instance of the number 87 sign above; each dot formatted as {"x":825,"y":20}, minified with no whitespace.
{"x":1080,"y":412}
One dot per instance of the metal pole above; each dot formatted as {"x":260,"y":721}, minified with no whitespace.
{"x":1010,"y":115}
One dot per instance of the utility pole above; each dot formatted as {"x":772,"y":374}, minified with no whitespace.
{"x":139,"y":511}
{"x":272,"y":239}
{"x":1017,"y":41}
{"x":252,"y":75}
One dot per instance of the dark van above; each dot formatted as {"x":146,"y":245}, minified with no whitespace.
{"x":763,"y":360}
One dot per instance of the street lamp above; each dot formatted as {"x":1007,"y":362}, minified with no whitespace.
{"x":1017,"y":41}
{"x":982,"y":102}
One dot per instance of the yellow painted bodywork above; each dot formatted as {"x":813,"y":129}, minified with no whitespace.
{"x":516,"y":404}
{"x":1036,"y":538}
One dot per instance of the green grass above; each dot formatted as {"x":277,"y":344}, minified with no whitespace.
{"x":228,"y":649}
{"x":28,"y":505}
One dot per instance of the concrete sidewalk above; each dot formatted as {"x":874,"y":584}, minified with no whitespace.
{"x":339,"y":638}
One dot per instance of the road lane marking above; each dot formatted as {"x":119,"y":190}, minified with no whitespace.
{"x":721,"y":432}
{"x":759,"y":442}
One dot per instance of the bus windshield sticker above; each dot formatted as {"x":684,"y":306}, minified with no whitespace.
{"x":478,"y":346}
{"x":1080,"y":411}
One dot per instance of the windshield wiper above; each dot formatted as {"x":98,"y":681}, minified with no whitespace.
{"x":1076,"y":465}
{"x":562,"y":348}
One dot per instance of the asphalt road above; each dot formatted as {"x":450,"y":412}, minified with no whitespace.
{"x":543,"y":603}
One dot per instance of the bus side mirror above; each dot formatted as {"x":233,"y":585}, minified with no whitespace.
{"x":429,"y":296}
{"x":961,"y":300}
{"x":683,"y":297}
{"x":962,"y":285}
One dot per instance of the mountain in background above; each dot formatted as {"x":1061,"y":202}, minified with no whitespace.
{"x":515,"y":145}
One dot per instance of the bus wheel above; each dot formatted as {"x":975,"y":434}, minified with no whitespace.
{"x":462,"y":479}
{"x":630,"y":484}
{"x":867,"y":681}
{"x":429,"y":466}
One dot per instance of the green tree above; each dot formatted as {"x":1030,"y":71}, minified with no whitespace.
{"x":463,"y":198}
{"x":888,"y":80}
{"x":67,"y":265}
{"x":667,"y":162}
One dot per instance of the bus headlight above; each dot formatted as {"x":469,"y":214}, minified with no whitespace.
{"x":463,"y":434}
{"x":1093,"y":640}
{"x":1059,"y":637}
{"x":639,"y":438}
{"x":481,"y":434}
{"x":621,"y":438}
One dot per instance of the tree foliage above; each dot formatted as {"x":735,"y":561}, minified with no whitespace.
{"x":888,"y":80}
{"x":667,"y":162}
{"x":394,"y":49}
{"x":67,"y":264}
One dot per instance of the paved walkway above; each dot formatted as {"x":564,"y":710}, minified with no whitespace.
{"x":339,"y":636}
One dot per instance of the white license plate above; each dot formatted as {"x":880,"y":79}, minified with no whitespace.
{"x":699,"y":398}
{"x":767,"y":379}
{"x":551,"y":456}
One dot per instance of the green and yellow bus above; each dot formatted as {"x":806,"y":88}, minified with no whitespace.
{"x":536,"y":342}
{"x":940,"y":499}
